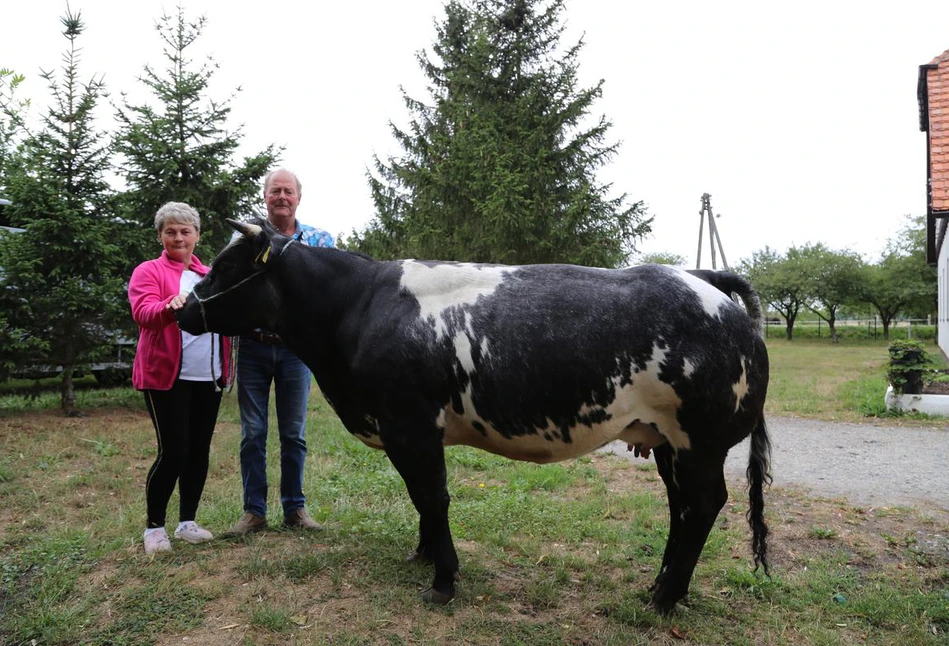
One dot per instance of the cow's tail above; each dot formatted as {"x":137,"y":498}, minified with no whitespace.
{"x":759,"y":456}
{"x":758,"y":474}
{"x":732,"y":285}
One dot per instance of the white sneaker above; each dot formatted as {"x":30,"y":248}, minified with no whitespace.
{"x":156,"y":541}
{"x":190,"y":532}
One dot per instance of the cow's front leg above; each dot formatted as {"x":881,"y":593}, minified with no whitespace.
{"x":664,"y":457}
{"x":419,"y":457}
{"x":697,"y":485}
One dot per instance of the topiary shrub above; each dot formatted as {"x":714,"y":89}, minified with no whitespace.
{"x":908,"y":362}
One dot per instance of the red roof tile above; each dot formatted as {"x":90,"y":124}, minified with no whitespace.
{"x":937,"y":85}
{"x":942,"y":58}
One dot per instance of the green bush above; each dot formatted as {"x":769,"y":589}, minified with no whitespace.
{"x":908,"y":362}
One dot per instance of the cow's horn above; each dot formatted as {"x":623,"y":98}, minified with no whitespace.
{"x":251,"y":230}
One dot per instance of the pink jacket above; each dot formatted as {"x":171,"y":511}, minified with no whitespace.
{"x":158,"y":358}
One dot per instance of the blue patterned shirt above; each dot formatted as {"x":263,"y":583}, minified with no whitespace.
{"x":312,"y":237}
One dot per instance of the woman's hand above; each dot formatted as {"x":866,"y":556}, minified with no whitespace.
{"x":177,"y":302}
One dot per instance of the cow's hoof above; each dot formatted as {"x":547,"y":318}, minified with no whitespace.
{"x":418,"y":557}
{"x":663,"y":602}
{"x":434,"y":596}
{"x":662,"y":609}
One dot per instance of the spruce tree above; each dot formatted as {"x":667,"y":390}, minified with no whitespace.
{"x":16,"y":343}
{"x":62,"y":276}
{"x":11,"y":120}
{"x":179,"y":147}
{"x":499,"y":165}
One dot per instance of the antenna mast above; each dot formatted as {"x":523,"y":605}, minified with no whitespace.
{"x":713,"y":237}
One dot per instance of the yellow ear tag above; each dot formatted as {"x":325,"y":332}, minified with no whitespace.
{"x":266,"y":254}
{"x":263,"y":256}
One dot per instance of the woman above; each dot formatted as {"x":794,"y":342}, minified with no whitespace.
{"x":181,"y":376}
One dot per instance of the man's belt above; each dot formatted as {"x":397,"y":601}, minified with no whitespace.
{"x":268,"y":338}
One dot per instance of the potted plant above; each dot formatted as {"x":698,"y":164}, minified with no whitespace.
{"x":908,"y":362}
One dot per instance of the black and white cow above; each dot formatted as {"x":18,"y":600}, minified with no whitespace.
{"x":537,"y":362}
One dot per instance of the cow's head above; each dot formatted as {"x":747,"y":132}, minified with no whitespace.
{"x":238,"y":294}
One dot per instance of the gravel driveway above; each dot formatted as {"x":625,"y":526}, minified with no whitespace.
{"x":868,"y":464}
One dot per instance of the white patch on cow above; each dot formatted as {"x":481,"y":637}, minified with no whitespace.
{"x":440,"y":287}
{"x":652,"y":401}
{"x":642,"y":412}
{"x":740,"y":387}
{"x":712,"y":299}
{"x":688,"y":368}
{"x":642,"y":435}
{"x":462,"y":343}
{"x":485,"y":349}
{"x":463,"y":352}
{"x":372,"y":441}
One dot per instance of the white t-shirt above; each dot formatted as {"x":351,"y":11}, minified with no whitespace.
{"x":196,"y":351}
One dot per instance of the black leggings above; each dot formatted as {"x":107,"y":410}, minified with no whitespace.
{"x":184,"y":419}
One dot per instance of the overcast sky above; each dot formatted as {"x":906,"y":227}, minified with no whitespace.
{"x":801,"y":121}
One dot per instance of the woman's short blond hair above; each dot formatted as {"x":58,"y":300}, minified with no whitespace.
{"x":179,"y":213}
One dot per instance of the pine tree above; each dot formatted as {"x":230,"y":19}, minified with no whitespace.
{"x":500,"y":166}
{"x":63,"y":274}
{"x":11,"y":119}
{"x":16,"y":344}
{"x":180,"y":148}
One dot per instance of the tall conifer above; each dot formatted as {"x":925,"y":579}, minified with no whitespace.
{"x":499,"y":164}
{"x":62,"y":277}
{"x":179,"y":148}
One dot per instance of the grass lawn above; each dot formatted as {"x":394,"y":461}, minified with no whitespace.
{"x":555,"y":554}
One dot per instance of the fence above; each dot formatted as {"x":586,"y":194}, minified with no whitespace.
{"x":923,"y":329}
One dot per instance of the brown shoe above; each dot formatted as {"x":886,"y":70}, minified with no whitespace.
{"x":299,"y":518}
{"x":247,"y":524}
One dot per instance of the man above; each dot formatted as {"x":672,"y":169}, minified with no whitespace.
{"x":263,"y":359}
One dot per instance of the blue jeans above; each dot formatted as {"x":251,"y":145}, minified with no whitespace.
{"x":259,"y":365}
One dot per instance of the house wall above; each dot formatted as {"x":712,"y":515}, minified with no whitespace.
{"x":943,"y":298}
{"x":937,"y":90}
{"x":937,"y":82}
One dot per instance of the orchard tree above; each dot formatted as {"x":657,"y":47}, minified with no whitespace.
{"x":780,"y":282}
{"x":883,"y":291}
{"x":902,"y":281}
{"x":662,"y":258}
{"x":920,"y":280}
{"x":179,"y":148}
{"x":498,"y":165}
{"x":63,"y":275}
{"x":833,"y":279}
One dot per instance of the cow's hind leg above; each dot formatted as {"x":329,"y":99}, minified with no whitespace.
{"x":664,"y":456}
{"x":420,"y":460}
{"x":697,"y":493}
{"x":422,"y":553}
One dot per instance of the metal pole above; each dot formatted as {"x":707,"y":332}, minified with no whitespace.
{"x":717,"y":238}
{"x":714,"y":239}
{"x":698,"y":256}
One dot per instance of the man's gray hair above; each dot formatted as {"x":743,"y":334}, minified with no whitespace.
{"x":179,"y":213}
{"x":284,"y":170}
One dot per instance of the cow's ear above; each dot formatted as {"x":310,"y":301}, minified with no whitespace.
{"x":248,"y":229}
{"x":272,"y":250}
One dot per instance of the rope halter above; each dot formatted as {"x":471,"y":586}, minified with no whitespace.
{"x":262,"y":258}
